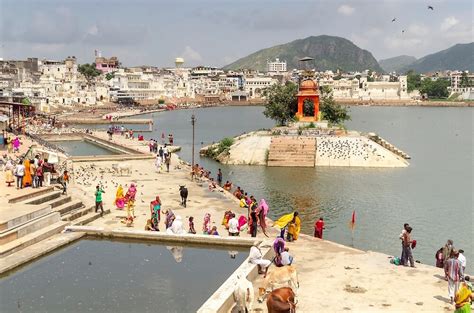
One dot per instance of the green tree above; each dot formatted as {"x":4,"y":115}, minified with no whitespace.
{"x":89,"y":71}
{"x":332,"y":111}
{"x":465,"y":81}
{"x":413,"y":81}
{"x":281,"y":103}
{"x":109,"y":76}
{"x":435,"y":88}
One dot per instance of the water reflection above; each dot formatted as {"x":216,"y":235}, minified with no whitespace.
{"x":176,"y":252}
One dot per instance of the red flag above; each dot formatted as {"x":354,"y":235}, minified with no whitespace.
{"x":353,"y":221}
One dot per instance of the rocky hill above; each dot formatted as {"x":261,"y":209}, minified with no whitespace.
{"x":329,"y":53}
{"x":395,"y":64}
{"x":458,"y":57}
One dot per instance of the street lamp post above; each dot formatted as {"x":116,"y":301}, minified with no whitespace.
{"x":193,"y":122}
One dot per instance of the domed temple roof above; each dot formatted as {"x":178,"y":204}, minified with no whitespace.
{"x":308,"y":88}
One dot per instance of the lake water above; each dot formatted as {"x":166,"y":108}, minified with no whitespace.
{"x":434,"y":194}
{"x":83,"y":148}
{"x":118,"y":276}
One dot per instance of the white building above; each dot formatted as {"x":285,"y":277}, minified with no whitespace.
{"x":255,"y":85}
{"x":276,"y":67}
{"x":462,"y":85}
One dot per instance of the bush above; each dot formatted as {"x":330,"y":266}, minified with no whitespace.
{"x":311,"y":125}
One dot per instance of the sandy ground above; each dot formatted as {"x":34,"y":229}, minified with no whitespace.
{"x":333,"y":278}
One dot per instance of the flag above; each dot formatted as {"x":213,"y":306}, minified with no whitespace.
{"x":353,"y":220}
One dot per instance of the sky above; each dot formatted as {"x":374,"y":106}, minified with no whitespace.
{"x":218,"y":32}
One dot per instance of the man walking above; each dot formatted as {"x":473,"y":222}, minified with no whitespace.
{"x":98,"y":200}
{"x":454,"y":273}
{"x":219,"y":177}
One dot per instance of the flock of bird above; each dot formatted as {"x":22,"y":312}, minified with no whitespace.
{"x":91,"y":175}
{"x":345,"y":149}
{"x":430,"y":7}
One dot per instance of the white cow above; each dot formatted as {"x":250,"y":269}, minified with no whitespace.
{"x":243,"y":294}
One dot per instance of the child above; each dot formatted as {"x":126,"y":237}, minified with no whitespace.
{"x":214,"y":231}
{"x":191,"y":226}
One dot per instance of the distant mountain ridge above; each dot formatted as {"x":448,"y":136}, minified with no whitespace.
{"x":395,"y":64}
{"x":458,"y":57}
{"x":329,"y":53}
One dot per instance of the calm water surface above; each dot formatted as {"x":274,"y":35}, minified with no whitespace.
{"x":83,"y":148}
{"x":434,"y":194}
{"x":106,"y":276}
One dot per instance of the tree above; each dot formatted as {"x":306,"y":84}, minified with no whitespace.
{"x":281,"y":103}
{"x":435,"y":88}
{"x":465,"y":81}
{"x":413,"y":81}
{"x":89,"y":71}
{"x":332,"y":111}
{"x":109,"y":76}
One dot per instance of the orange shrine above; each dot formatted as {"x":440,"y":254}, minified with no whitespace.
{"x":308,"y":90}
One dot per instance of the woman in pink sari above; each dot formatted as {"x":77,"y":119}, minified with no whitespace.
{"x":130,"y":200}
{"x":206,"y":226}
{"x":262,"y":211}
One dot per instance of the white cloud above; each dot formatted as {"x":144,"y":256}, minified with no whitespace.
{"x":346,"y":9}
{"x":448,"y":23}
{"x":418,"y":30}
{"x":189,"y":54}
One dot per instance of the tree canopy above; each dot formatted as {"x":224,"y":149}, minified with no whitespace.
{"x":282,"y":104}
{"x":413,"y":81}
{"x":89,"y":71}
{"x":435,"y":88}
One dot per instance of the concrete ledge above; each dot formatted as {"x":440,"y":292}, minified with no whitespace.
{"x":161,"y":236}
{"x":222,"y":300}
{"x":35,"y":251}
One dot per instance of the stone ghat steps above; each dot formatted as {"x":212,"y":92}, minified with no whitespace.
{"x":23,"y":216}
{"x":29,"y":227}
{"x":32,"y":238}
{"x":292,"y":151}
{"x":32,"y":194}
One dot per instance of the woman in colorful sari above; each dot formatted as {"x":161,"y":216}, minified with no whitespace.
{"x":16,"y":144}
{"x":130,"y":199}
{"x":170,"y":217}
{"x":206,"y":226}
{"x":278,"y":248}
{"x":155,"y":207}
{"x":119,"y":198}
{"x":463,"y":299}
{"x":8,"y":169}
{"x":262,"y":211}
{"x":293,"y":222}
{"x":27,"y":179}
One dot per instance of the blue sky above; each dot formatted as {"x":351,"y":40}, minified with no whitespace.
{"x":220,"y":31}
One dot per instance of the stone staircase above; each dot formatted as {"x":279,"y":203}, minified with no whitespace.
{"x":387,"y":145}
{"x":294,"y":151}
{"x":38,"y":215}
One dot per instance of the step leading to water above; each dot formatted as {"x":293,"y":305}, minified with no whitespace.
{"x":30,"y":227}
{"x":32,"y":238}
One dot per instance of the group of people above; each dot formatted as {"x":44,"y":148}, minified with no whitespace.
{"x":163,"y":157}
{"x":122,"y":201}
{"x":454,"y":263}
{"x":33,"y":173}
{"x":12,"y":143}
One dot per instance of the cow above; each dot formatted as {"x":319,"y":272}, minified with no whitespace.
{"x":281,"y":300}
{"x":243,"y":295}
{"x":183,"y":192}
{"x":278,"y":277}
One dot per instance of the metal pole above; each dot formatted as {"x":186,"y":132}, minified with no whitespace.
{"x":193,"y":121}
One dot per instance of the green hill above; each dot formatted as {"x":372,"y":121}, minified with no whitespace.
{"x":396,"y":63}
{"x":329,"y":53}
{"x":458,"y":57}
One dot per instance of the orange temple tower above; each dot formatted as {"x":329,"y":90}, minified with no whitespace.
{"x":308,"y":90}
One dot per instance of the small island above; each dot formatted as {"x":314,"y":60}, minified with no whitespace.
{"x":308,"y":137}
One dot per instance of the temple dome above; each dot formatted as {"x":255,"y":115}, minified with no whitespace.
{"x":308,"y":84}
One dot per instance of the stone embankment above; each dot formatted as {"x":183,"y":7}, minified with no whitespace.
{"x":297,"y":148}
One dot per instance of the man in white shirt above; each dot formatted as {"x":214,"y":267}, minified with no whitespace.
{"x":233,"y":226}
{"x":286,"y":258}
{"x":462,"y":259}
{"x":19,"y":173}
{"x":255,"y":257}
